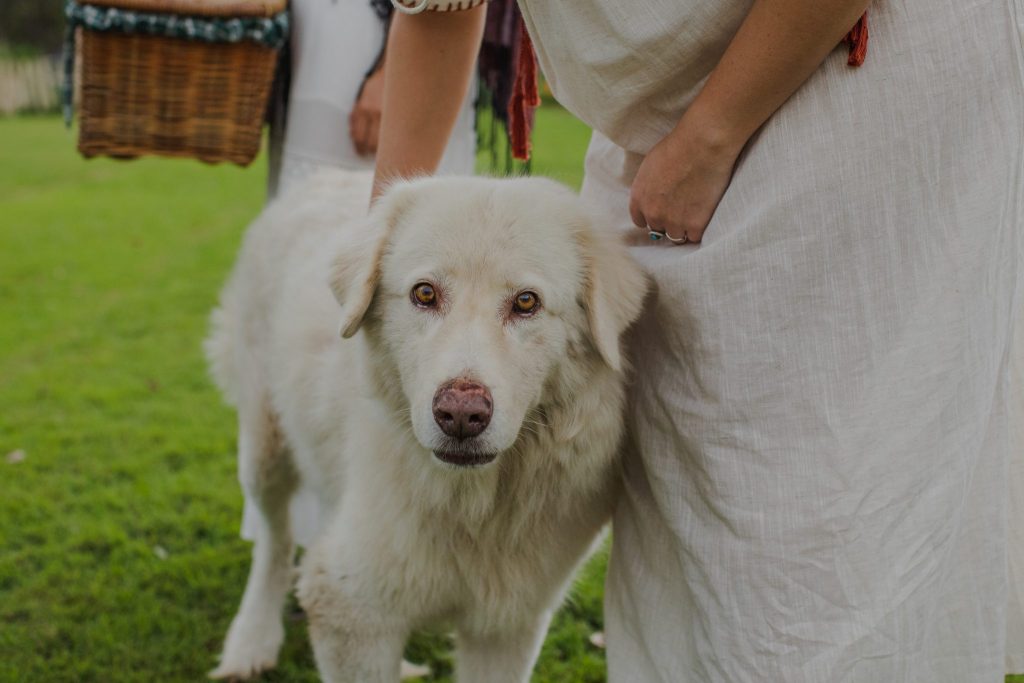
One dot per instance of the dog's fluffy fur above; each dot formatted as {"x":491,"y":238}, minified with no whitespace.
{"x":410,"y":540}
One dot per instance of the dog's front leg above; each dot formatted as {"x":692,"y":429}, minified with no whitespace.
{"x":353,"y":641}
{"x":351,"y":655}
{"x":504,"y":658}
{"x":266,"y":474}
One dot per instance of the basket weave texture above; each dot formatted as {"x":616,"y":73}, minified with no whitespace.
{"x":200,"y":8}
{"x":144,"y":94}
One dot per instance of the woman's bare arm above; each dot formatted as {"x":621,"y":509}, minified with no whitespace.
{"x":780,"y":44}
{"x":427,"y":74}
{"x":682,"y":179}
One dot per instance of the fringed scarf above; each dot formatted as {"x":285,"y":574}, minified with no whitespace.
{"x":507,"y":69}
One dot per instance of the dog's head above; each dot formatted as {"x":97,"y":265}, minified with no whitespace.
{"x":472,"y":293}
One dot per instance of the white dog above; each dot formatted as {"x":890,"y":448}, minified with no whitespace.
{"x":463,"y":444}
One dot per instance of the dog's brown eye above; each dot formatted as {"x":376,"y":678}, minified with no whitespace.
{"x":424,"y":294}
{"x":526,"y":303}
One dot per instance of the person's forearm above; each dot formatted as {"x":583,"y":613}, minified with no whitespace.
{"x":781,"y":42}
{"x":779,"y":45}
{"x":427,"y":74}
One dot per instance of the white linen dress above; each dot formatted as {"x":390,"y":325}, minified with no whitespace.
{"x":816,"y":486}
{"x":1015,"y":606}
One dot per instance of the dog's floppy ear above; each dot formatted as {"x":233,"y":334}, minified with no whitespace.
{"x":356,"y":270}
{"x":614,"y":291}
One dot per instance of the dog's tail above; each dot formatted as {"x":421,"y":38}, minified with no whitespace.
{"x":219,"y":348}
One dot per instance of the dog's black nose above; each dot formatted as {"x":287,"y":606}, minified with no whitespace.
{"x":462,"y":408}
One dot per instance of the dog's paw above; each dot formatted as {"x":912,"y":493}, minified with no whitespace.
{"x":410,"y":670}
{"x":250,"y":648}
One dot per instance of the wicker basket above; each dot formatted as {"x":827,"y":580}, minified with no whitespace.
{"x":148,"y":94}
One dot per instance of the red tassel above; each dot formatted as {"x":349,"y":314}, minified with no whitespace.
{"x":525,"y":98}
{"x":857,"y":39}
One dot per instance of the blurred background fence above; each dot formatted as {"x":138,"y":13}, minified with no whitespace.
{"x":29,"y":84}
{"x":30,"y":41}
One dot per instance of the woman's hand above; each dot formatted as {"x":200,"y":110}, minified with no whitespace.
{"x":682,"y":179}
{"x":780,"y":43}
{"x":364,"y":121}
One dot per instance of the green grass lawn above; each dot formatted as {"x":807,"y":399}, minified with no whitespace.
{"x":119,"y":551}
